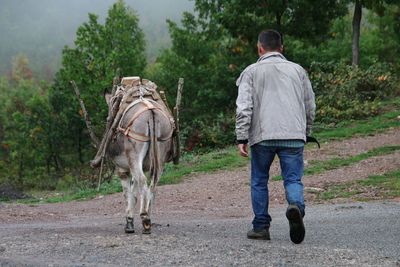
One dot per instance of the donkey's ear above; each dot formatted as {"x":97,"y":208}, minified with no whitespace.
{"x":107,"y":96}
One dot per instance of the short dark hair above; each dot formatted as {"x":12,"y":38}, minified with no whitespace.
{"x":270,"y":40}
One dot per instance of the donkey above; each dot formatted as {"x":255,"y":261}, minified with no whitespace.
{"x":142,"y":142}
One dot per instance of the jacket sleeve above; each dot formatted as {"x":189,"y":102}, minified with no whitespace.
{"x":244,"y":106}
{"x":309,"y":102}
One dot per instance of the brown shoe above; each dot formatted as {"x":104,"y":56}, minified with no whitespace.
{"x":297,"y":230}
{"x":261,"y":234}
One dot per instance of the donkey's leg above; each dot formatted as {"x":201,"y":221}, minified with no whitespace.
{"x":152,"y":190}
{"x":148,"y":196}
{"x":135,"y":158}
{"x":130,"y":200}
{"x":145,"y":197}
{"x":164,"y":150}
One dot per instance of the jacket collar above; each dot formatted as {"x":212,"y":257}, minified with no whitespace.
{"x":270,"y":54}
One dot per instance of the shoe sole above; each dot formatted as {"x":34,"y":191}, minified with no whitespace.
{"x":129,"y":231}
{"x":259,"y":238}
{"x":297,"y":230}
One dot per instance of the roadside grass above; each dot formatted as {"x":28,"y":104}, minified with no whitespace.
{"x":222,"y":159}
{"x":317,"y":167}
{"x":228,"y":158}
{"x":81,"y":192}
{"x":374,"y":187}
{"x":348,"y":129}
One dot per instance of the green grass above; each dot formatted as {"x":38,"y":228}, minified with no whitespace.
{"x":375,"y":186}
{"x":317,"y":167}
{"x":389,"y":183}
{"x":337,"y":191}
{"x":83,"y":193}
{"x":223,"y":159}
{"x":349,"y":129}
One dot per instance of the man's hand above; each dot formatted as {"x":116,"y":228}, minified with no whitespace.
{"x":243,"y":150}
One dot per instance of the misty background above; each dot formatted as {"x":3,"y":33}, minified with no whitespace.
{"x":39,"y":29}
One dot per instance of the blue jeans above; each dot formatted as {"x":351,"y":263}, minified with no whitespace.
{"x":292,"y":167}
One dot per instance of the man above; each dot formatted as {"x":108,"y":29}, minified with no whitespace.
{"x":275,"y":112}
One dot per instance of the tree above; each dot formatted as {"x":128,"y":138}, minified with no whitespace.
{"x":304,"y":19}
{"x":20,"y":68}
{"x":211,"y":49}
{"x":100,"y":51}
{"x":377,"y":6}
{"x":29,"y":147}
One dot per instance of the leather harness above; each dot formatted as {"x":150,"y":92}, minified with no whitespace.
{"x":148,"y":104}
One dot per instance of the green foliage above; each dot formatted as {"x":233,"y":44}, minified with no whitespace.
{"x":211,"y":50}
{"x":43,"y":134}
{"x":344,"y":93}
{"x":380,"y":38}
{"x":379,"y":41}
{"x":246,"y":18}
{"x":29,"y":146}
{"x":100,"y":53}
{"x":209,"y":69}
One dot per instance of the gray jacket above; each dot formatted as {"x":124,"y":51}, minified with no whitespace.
{"x":275,"y":101}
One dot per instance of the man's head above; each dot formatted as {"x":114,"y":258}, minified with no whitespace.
{"x":269,"y":41}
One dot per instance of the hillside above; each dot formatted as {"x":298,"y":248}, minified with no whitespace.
{"x":40,"y":29}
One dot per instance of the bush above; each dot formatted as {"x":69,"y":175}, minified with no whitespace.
{"x":343,"y":92}
{"x":209,"y":133}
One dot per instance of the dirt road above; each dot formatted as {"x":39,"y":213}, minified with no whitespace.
{"x":203,"y":221}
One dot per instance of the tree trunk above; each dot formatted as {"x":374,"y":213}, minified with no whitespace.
{"x":3,"y":150}
{"x":80,"y":153}
{"x":356,"y":33}
{"x":21,"y":170}
{"x":279,"y":22}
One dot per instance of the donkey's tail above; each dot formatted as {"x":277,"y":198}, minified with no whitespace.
{"x":154,"y":153}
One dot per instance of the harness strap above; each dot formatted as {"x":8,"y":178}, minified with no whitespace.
{"x":142,"y":137}
{"x":148,"y":106}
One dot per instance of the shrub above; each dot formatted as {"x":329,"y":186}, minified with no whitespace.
{"x":209,"y":133}
{"x":343,"y":92}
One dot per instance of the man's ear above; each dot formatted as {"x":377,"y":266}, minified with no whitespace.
{"x":107,"y":96}
{"x":261,"y":50}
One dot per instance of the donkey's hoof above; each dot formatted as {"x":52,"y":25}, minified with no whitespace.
{"x":146,"y":226}
{"x":146,"y":231}
{"x":129,"y":228}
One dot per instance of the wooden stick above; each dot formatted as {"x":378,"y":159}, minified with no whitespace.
{"x":111,"y":119}
{"x":176,"y":115}
{"x":116,"y":81}
{"x":100,"y":174}
{"x":179,"y":93}
{"x":94,"y":138}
